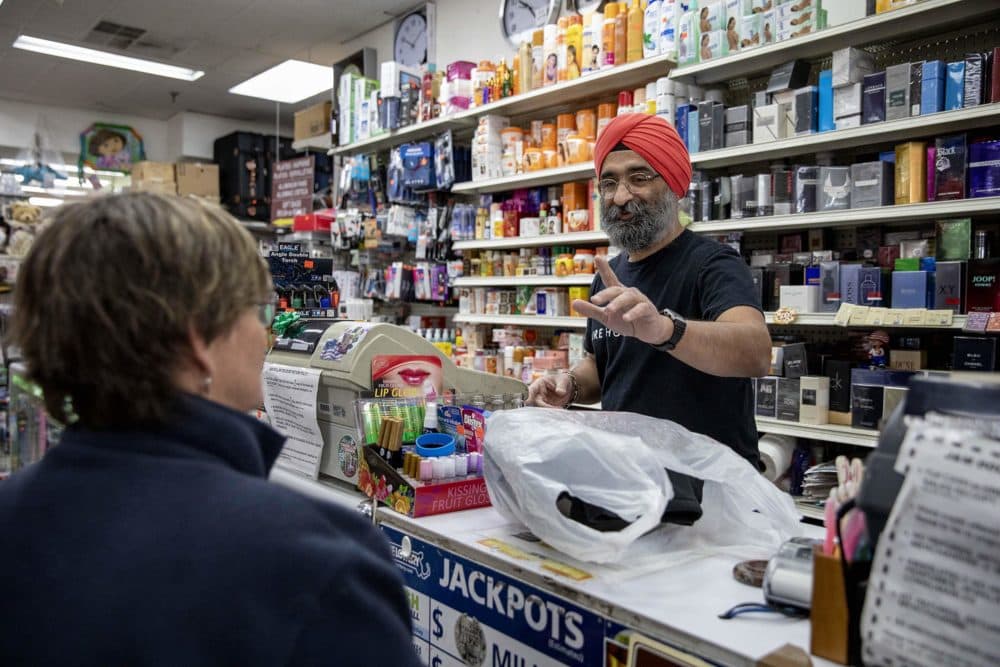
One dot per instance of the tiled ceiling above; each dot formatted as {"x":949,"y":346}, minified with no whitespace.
{"x":230,"y":40}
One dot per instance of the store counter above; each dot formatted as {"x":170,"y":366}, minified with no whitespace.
{"x":484,"y":592}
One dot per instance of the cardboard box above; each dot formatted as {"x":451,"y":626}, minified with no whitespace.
{"x":768,"y":123}
{"x":911,"y":173}
{"x":196,"y":178}
{"x":907,"y":360}
{"x":153,"y":172}
{"x":313,"y":121}
{"x":158,"y":187}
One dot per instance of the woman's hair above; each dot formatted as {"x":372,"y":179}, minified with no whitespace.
{"x":101,"y":136}
{"x":106,"y":299}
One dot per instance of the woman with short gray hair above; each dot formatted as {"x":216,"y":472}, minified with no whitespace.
{"x":150,"y":534}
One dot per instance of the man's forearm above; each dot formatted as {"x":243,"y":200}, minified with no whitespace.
{"x":587,"y":379}
{"x":726,"y":349}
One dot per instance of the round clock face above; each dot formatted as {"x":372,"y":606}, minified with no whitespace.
{"x":519,"y":17}
{"x":410,"y":47}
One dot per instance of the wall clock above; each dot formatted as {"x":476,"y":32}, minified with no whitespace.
{"x":519,"y":18}
{"x":410,"y":43}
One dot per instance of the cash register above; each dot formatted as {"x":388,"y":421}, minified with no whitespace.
{"x":343,"y":351}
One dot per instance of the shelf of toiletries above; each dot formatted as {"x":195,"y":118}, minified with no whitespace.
{"x":589,"y":87}
{"x":855,"y":216}
{"x":525,"y":320}
{"x":529,"y":179}
{"x":885,"y":132}
{"x":845,"y":435}
{"x":930,"y":16}
{"x":569,"y":238}
{"x":827,"y":320}
{"x":583,"y":279}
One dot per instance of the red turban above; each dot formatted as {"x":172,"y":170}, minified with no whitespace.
{"x":655,"y":140}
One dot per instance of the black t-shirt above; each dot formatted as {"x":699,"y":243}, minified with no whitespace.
{"x":699,"y":279}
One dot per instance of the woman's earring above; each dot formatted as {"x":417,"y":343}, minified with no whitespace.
{"x":206,"y":384}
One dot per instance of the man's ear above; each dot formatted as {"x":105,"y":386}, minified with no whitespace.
{"x":201,"y":357}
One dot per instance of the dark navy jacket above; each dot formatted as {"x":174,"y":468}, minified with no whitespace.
{"x":170,"y":547}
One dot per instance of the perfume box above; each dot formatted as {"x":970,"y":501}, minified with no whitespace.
{"x":954,"y":239}
{"x":909,"y":289}
{"x":846,"y":102}
{"x":718,"y":125}
{"x":681,"y":125}
{"x":891,"y":398}
{"x":949,"y":283}
{"x":866,"y":405}
{"x":972,"y":353}
{"x":829,"y":283}
{"x":801,"y":298}
{"x":744,"y":190}
{"x":897,"y":91}
{"x":847,"y":122}
{"x":806,"y":110}
{"x":737,"y":130}
{"x":789,"y":76}
{"x":887,"y":256}
{"x":834,"y":188}
{"x":984,"y":167}
{"x":796,"y":360}
{"x":694,"y":129}
{"x":767,"y":397}
{"x":872,"y":184}
{"x":805,"y":188}
{"x":763,"y":195}
{"x":705,"y":126}
{"x":769,"y":123}
{"x":870,"y":288}
{"x":757,"y":278}
{"x":788,"y":399}
{"x":949,"y":167}
{"x":777,"y":360}
{"x":839,"y":373}
{"x":982,"y":286}
{"x":911,"y":176}
{"x":850,"y":284}
{"x":814,"y":399}
{"x":954,"y":85}
{"x":916,"y":86}
{"x":873,"y":98}
{"x":783,"y":189}
{"x":907,"y":360}
{"x":850,"y":65}
{"x":824,"y":101}
{"x":974,"y":85}
{"x":932,"y":87}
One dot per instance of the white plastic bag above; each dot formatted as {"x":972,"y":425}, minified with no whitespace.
{"x":616,"y":460}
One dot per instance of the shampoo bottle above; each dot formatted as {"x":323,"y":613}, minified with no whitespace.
{"x":524,"y":68}
{"x":561,"y":48}
{"x":537,"y":58}
{"x":651,"y":29}
{"x":550,"y":66}
{"x":610,"y":18}
{"x":621,"y":35}
{"x":574,"y":47}
{"x":633,"y":32}
{"x":594,"y":57}
{"x":668,"y":28}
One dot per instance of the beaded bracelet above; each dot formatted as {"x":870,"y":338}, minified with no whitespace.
{"x":576,"y":390}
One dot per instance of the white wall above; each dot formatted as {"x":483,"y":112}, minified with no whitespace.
{"x":64,"y":125}
{"x":192,"y":135}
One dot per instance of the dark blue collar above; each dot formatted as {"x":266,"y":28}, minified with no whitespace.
{"x":196,"y":427}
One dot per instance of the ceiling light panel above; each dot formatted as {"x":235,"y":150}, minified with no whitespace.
{"x":93,"y":56}
{"x":290,"y":82}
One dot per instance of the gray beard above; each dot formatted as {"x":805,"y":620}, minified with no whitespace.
{"x":649,"y":223}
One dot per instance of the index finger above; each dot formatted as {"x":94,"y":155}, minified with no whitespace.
{"x":607,"y":274}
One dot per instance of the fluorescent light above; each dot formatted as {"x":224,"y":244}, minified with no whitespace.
{"x":96,"y":57}
{"x":44,"y":201}
{"x":291,"y":81}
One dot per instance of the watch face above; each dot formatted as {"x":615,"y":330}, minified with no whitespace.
{"x":410,"y":46}
{"x":518,"y":17}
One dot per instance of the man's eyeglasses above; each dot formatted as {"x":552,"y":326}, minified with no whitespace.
{"x":266,"y":312}
{"x":636,"y":183}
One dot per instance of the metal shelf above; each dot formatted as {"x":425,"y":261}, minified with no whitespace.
{"x":525,"y":320}
{"x":322,"y":142}
{"x":930,"y":16}
{"x":549,"y":100}
{"x":584,"y":279}
{"x":826,"y":320}
{"x":827,"y":432}
{"x":854,"y":216}
{"x":570,"y":238}
{"x":867,"y":135}
{"x":531,"y":179}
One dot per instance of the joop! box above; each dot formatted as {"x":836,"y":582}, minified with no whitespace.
{"x":982,"y":287}
{"x":814,"y":399}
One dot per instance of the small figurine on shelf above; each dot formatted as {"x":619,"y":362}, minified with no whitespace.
{"x":877,"y":352}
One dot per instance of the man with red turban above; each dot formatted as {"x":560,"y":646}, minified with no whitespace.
{"x":675,"y":328}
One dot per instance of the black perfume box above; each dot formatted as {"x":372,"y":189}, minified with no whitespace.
{"x":805,"y":188}
{"x":873,"y":98}
{"x":757,"y":277}
{"x":916,"y":84}
{"x":949,"y":166}
{"x":767,"y":397}
{"x":796,"y":360}
{"x":788,"y":399}
{"x":866,"y":405}
{"x":705,"y":125}
{"x":839,"y":372}
{"x":806,"y":110}
{"x":718,"y":125}
{"x":975,"y":82}
{"x":783,"y":188}
{"x":973,"y":353}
